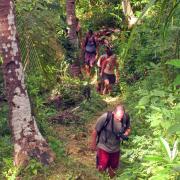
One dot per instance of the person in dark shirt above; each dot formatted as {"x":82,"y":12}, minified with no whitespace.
{"x":90,"y":51}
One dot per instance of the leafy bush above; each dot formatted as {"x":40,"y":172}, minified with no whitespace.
{"x":154,"y":109}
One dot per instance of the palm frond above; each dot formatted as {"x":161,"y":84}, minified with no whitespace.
{"x":147,"y":7}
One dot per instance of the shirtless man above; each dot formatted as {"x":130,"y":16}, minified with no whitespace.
{"x":102,"y":58}
{"x":108,"y":72}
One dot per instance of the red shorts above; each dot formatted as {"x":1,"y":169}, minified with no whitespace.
{"x":106,"y":160}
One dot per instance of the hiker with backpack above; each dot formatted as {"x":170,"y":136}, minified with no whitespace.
{"x":110,"y":130}
{"x":90,"y":51}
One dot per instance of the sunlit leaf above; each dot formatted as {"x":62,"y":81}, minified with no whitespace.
{"x":175,"y":150}
{"x":177,"y":80}
{"x":153,"y":158}
{"x":174,"y":62}
{"x":166,"y":147}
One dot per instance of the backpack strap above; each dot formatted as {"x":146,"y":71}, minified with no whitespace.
{"x":122,"y":130}
{"x":94,"y":41}
{"x":124,"y":123}
{"x":124,"y":120}
{"x":108,"y":118}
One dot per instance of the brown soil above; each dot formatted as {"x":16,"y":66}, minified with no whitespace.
{"x":78,"y":141}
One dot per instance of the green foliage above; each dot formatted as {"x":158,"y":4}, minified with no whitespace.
{"x":6,"y":162}
{"x":149,"y":82}
{"x":40,"y":36}
{"x":57,"y":146}
{"x":154,"y":107}
{"x":174,"y":62}
{"x":4,"y":120}
{"x":99,"y":13}
{"x":33,"y":168}
{"x":9,"y":172}
{"x":1,"y":61}
{"x":171,"y":154}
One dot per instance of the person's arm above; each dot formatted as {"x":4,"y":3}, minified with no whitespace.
{"x":128,"y":126}
{"x":103,"y":67}
{"x":97,"y":48}
{"x":96,"y":129}
{"x":127,"y":132}
{"x":93,"y":139}
{"x":84,"y":44}
{"x":99,"y":60}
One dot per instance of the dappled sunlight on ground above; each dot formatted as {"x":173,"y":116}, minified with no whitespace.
{"x":111,"y":100}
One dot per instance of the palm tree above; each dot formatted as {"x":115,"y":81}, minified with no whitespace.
{"x":71,"y":22}
{"x":28,"y":141}
{"x":128,"y":12}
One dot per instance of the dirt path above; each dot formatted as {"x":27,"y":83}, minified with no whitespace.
{"x":77,"y":141}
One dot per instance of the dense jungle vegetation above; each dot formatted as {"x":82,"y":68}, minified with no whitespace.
{"x":148,"y":55}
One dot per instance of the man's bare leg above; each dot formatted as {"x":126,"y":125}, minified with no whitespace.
{"x":111,"y":172}
{"x":106,"y":86}
{"x":87,"y":69}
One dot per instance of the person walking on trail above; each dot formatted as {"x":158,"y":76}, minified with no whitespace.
{"x":111,"y":128}
{"x":90,"y":50}
{"x":109,"y":66}
{"x":102,"y":58}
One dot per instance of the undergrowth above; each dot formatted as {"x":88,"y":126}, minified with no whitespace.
{"x":151,"y":152}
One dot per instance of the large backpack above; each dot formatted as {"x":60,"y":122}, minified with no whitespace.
{"x":108,"y":119}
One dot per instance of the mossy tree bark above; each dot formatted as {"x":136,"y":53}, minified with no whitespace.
{"x":28,"y":141}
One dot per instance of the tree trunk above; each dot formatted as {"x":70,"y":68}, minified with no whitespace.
{"x":128,"y":12}
{"x":71,"y":22}
{"x":28,"y":141}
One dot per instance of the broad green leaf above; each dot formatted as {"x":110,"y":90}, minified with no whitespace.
{"x":153,"y":158}
{"x":177,"y":80}
{"x":174,"y":62}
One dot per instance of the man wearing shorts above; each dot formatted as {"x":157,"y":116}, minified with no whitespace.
{"x":108,"y":72}
{"x":108,"y":143}
{"x":102,"y":58}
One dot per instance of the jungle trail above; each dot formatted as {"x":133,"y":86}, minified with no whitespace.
{"x":73,"y":119}
{"x":78,"y":146}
